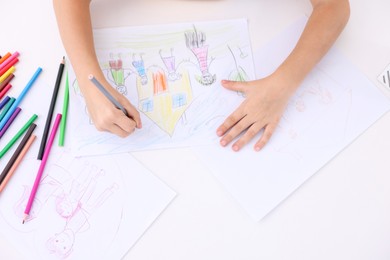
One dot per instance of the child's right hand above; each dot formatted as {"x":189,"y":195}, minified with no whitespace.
{"x":104,"y":115}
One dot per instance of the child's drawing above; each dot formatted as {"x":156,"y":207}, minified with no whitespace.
{"x":170,"y":73}
{"x":84,"y":208}
{"x":317,"y":95}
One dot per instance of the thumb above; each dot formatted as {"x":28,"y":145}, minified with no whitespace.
{"x":234,"y":85}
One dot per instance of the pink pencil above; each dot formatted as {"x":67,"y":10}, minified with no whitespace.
{"x":17,"y":162}
{"x":8,"y":66}
{"x":42,"y":166}
{"x":5,"y":90}
{"x":10,"y":58}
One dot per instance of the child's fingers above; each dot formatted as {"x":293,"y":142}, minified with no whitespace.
{"x":134,"y":114}
{"x":125,"y":123}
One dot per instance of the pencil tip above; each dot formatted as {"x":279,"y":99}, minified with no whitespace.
{"x":63,"y":59}
{"x":23,"y":221}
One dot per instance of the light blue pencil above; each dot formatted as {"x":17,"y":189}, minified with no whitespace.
{"x":20,"y":98}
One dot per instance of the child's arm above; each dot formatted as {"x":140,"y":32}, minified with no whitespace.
{"x":267,"y":98}
{"x":74,"y":22}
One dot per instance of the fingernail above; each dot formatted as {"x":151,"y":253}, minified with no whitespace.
{"x":219,"y":133}
{"x":223,"y":143}
{"x":235,"y":148}
{"x":257,"y":148}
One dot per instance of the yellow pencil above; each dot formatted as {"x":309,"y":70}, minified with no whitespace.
{"x":7,"y":73}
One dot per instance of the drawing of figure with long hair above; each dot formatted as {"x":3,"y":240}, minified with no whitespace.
{"x":195,"y":41}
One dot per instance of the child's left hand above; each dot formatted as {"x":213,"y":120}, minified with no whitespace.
{"x":265,"y":102}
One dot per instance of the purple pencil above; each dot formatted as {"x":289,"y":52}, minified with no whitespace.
{"x":10,"y":120}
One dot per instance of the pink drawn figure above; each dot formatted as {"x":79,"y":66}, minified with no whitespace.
{"x":117,"y":73}
{"x":76,"y":207}
{"x":169,"y":62}
{"x":195,"y":41}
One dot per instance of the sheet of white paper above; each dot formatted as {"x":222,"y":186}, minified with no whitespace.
{"x":171,"y":74}
{"x":94,"y":208}
{"x":332,"y":107}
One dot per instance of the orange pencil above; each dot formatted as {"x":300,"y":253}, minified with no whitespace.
{"x":17,"y":161}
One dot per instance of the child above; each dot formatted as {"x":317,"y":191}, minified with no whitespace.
{"x":265,"y":100}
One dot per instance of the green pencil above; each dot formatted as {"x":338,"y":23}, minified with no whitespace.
{"x":64,"y":112}
{"x":6,"y":108}
{"x":18,"y":135}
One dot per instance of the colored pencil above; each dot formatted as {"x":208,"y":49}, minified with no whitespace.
{"x":17,"y":136}
{"x":9,"y":59}
{"x":4,"y":101}
{"x":5,"y":90}
{"x":6,"y":56}
{"x":17,"y":152}
{"x":17,"y":162}
{"x":51,"y":109}
{"x":107,"y":94}
{"x":7,"y":107}
{"x":9,"y":65}
{"x":42,"y":167}
{"x":9,"y":122}
{"x":6,"y":81}
{"x":7,"y":73}
{"x":61,"y":141}
{"x":20,"y":98}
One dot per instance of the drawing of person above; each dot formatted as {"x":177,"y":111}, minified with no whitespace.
{"x":169,"y":62}
{"x":140,"y":67}
{"x":76,"y":207}
{"x":117,"y":73}
{"x":195,"y":41}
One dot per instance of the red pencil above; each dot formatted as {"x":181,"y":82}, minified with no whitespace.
{"x":5,"y":90}
{"x":9,"y":65}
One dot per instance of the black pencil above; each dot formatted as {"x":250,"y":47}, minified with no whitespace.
{"x":51,"y":109}
{"x":17,"y":152}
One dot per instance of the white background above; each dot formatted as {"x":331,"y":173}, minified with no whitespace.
{"x":343,"y":212}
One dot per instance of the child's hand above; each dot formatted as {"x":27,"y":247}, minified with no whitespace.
{"x":262,"y":108}
{"x":105,"y":116}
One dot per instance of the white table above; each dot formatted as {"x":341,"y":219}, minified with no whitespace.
{"x":343,"y":212}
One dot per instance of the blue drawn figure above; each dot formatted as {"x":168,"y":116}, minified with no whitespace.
{"x":170,"y":64}
{"x":195,"y":41}
{"x":117,"y":73}
{"x":140,"y":67}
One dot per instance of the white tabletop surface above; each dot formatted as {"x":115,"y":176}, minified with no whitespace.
{"x":342,"y":212}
